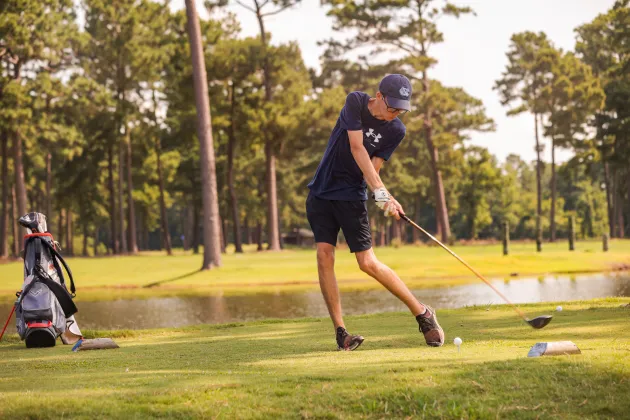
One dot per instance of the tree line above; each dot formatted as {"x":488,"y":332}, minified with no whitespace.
{"x":103,"y":127}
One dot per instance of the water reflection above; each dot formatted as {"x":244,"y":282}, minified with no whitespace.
{"x":177,"y":312}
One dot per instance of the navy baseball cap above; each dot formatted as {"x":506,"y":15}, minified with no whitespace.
{"x":397,"y":89}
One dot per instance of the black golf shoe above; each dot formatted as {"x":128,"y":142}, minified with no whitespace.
{"x":429,"y":327}
{"x":346,"y":341}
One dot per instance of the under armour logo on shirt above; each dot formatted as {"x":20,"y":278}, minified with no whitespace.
{"x":374,"y":135}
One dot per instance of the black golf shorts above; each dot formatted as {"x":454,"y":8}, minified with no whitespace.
{"x":326,"y":217}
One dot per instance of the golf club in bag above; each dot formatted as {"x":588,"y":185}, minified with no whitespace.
{"x":538,"y":322}
{"x":44,"y":309}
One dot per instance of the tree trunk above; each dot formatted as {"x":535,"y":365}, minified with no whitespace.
{"x":14,"y":223}
{"x":373,"y":230}
{"x":195,"y":228}
{"x":224,"y":239}
{"x":69,"y":237}
{"x":552,"y":216}
{"x":444,"y":227}
{"x":107,"y":243}
{"x":4,"y":215}
{"x":20,"y":187}
{"x":415,"y":233}
{"x":397,"y":234}
{"x":121,"y":200}
{"x":84,"y":252}
{"x":145,"y":233}
{"x":619,"y":206}
{"x":49,"y":185}
{"x":611,"y":219}
{"x":211,"y":228}
{"x":60,"y":233}
{"x":248,"y":231}
{"x":270,"y":156}
{"x":187,"y":216}
{"x":472,"y":220}
{"x":236,"y":221}
{"x":538,"y":190}
{"x":133,"y":241}
{"x":114,"y":244}
{"x":166,"y":237}
{"x":273,"y":239}
{"x":382,"y":240}
{"x":259,"y":236}
{"x":280,"y":229}
{"x":97,"y":230}
{"x":140,"y":228}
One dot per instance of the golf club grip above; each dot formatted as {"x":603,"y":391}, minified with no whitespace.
{"x":411,"y":222}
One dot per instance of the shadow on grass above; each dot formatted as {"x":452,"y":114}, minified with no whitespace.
{"x":160,"y":282}
{"x":171,"y":376}
{"x":522,"y":388}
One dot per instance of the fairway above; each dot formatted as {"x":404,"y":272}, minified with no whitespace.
{"x":295,"y":269}
{"x":291,"y":370}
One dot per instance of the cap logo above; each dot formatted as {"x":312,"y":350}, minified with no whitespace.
{"x":404,"y":91}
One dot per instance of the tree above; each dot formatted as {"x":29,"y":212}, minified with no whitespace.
{"x":123,"y":53}
{"x":569,"y":101}
{"x":236,"y":63}
{"x":33,"y":34}
{"x":481,"y":179}
{"x":4,"y":216}
{"x":211,"y":225}
{"x":261,"y":9}
{"x":579,"y":183}
{"x":527,"y":72}
{"x":603,"y":45}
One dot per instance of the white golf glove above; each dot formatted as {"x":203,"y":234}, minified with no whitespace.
{"x":382,"y":199}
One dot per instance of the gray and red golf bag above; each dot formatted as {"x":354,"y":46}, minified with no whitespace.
{"x":44,"y":309}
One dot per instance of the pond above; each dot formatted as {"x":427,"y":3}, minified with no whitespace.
{"x":178,"y":312}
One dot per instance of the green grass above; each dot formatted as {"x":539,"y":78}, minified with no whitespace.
{"x":289,"y":369}
{"x":291,"y":270}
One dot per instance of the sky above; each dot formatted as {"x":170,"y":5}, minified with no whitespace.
{"x":472,"y":55}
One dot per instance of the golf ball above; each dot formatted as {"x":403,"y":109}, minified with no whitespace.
{"x":558,"y":308}
{"x":457,"y":341}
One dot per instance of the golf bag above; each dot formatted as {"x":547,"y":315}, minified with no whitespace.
{"x":44,"y":309}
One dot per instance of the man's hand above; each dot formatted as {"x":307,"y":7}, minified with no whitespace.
{"x":394,"y":208}
{"x":381,"y":196}
{"x":387,"y":203}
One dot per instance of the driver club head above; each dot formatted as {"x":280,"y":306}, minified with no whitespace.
{"x":539,"y":322}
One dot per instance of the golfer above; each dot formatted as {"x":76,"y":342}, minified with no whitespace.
{"x":366,"y":134}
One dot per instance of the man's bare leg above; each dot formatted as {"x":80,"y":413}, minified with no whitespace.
{"x":370,"y":265}
{"x":328,"y":282}
{"x":426,"y":317}
{"x":330,"y":291}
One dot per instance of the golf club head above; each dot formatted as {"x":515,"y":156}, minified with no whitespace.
{"x":540,"y":322}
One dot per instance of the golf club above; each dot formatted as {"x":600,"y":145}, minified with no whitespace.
{"x":538,"y":322}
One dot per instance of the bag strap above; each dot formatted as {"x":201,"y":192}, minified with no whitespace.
{"x":57,"y":256}
{"x":61,"y":293}
{"x":63,"y":297}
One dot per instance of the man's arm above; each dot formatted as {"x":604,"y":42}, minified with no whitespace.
{"x":362,"y":158}
{"x":377,"y":162}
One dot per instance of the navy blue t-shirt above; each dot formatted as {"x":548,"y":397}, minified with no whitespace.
{"x":338,"y":177}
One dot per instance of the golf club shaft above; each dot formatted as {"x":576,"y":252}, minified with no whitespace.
{"x":408,"y":220}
